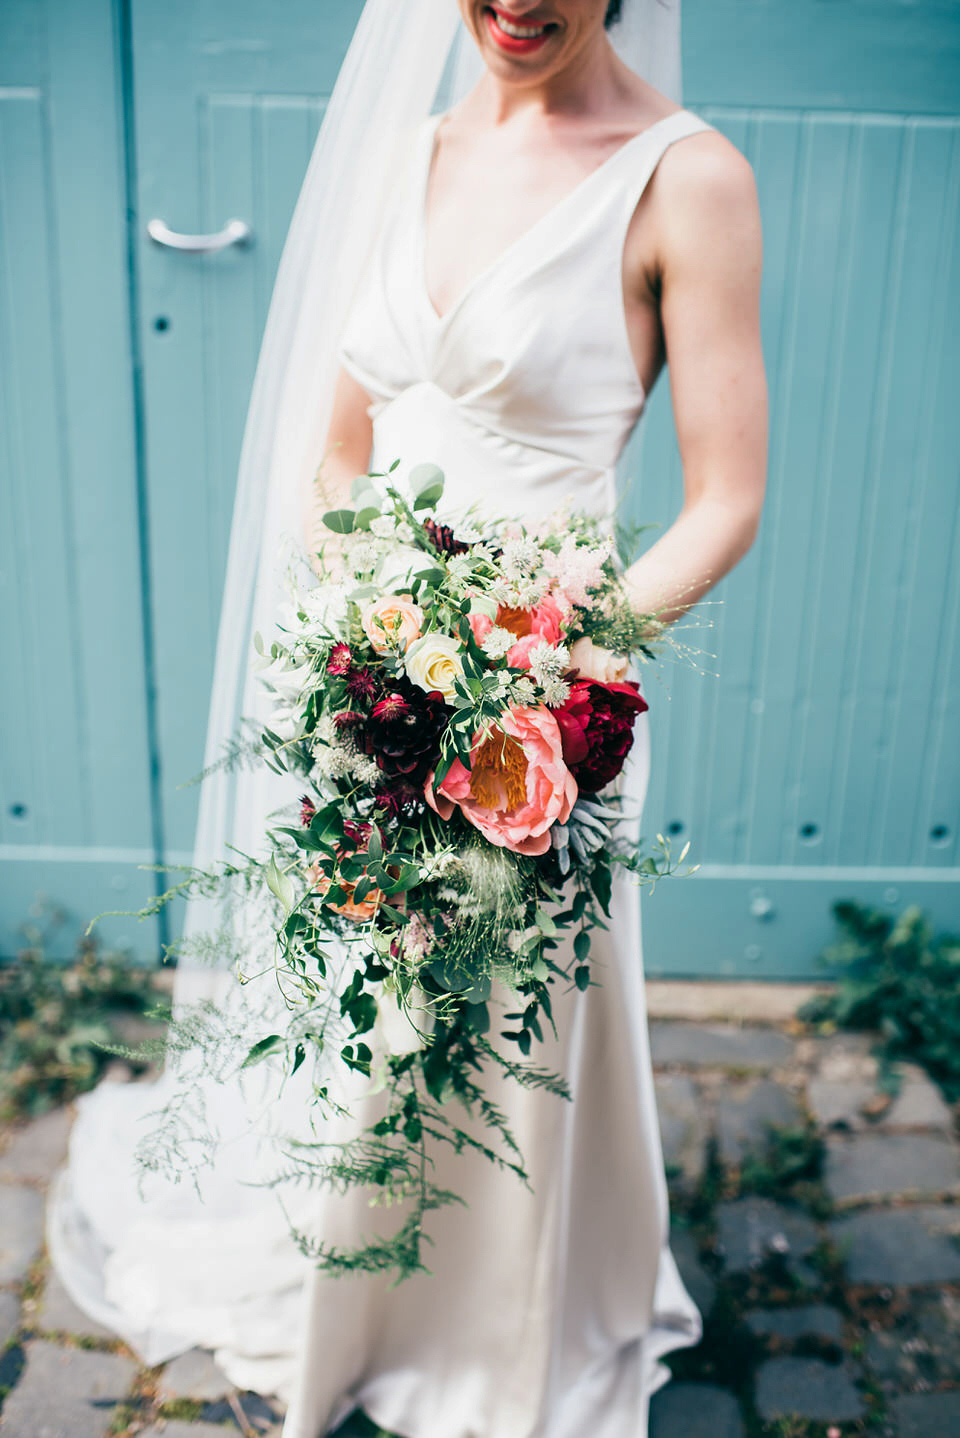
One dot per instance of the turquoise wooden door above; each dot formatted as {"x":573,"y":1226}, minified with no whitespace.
{"x":229,"y":96}
{"x":822,"y":760}
{"x":76,"y":814}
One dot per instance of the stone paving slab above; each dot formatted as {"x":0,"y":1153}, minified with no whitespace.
{"x":846,"y":1057}
{"x":194,"y":1374}
{"x":683,"y":1126}
{"x":822,"y":1392}
{"x":751,"y":1230}
{"x":66,"y":1393}
{"x":923,"y":1346}
{"x":694,"y":1410}
{"x":176,"y":1428}
{"x":871,"y":1166}
{"x":838,"y":1103}
{"x":9,"y":1317}
{"x":21,"y":1230}
{"x":696,"y":1279}
{"x":927,"y":1415}
{"x":746,"y":1112}
{"x":57,"y":1312}
{"x":919,"y":1104}
{"x":813,"y":1320}
{"x":34,"y":1152}
{"x":718,"y":1045}
{"x":900,"y":1245}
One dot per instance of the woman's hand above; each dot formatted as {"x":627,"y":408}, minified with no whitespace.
{"x":347,"y":454}
{"x":704,"y":226}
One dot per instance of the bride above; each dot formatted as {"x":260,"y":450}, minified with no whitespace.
{"x":495,"y":288}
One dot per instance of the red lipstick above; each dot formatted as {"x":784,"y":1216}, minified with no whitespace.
{"x":515,"y":44}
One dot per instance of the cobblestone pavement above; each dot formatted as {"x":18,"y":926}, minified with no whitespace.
{"x":816,"y":1222}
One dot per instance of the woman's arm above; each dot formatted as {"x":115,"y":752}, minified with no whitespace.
{"x":346,"y":454}
{"x":707,"y":226}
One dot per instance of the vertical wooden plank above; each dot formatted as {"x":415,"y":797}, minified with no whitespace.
{"x":75,"y":817}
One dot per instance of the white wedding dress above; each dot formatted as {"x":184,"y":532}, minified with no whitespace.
{"x":548,"y":1308}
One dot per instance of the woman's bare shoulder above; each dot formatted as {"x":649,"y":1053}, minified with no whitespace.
{"x":704,"y":180}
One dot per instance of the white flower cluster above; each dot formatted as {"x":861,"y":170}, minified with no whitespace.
{"x":386,"y":526}
{"x":520,"y":558}
{"x":548,"y":664}
{"x":578,"y":568}
{"x":498,"y":643}
{"x":336,"y":756}
{"x":518,"y":594}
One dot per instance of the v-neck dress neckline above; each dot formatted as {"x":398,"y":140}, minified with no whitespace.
{"x":526,"y":236}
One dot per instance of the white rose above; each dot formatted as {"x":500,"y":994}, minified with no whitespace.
{"x":434,"y":662}
{"x":594,"y":662}
{"x":396,"y":569}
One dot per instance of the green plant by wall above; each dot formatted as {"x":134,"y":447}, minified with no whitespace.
{"x":55,"y":1016}
{"x":898,"y":978}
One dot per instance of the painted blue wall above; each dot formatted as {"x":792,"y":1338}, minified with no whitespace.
{"x":817,"y":758}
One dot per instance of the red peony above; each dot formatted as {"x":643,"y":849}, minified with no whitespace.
{"x":596,"y":729}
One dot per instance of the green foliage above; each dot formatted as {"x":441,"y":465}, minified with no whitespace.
{"x":55,"y":1020}
{"x":898,"y":978}
{"x":789,"y":1166}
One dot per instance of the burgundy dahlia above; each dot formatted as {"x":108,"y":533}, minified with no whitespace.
{"x":444,"y":538}
{"x":307,"y":810}
{"x":596,"y":730}
{"x":403,"y":732}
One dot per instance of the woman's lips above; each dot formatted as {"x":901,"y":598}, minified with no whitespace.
{"x":523,"y":43}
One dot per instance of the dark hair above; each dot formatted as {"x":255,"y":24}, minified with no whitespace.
{"x":614,"y":9}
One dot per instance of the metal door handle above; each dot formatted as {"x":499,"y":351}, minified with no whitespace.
{"x":234,"y":232}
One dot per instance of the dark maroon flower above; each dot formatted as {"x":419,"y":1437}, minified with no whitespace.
{"x":361,"y":684}
{"x":340,"y":661}
{"x":398,"y":797}
{"x":444,"y":538}
{"x":356,"y":834}
{"x":403,"y":732}
{"x":348,"y":719}
{"x":307,"y":810}
{"x":596,"y":730}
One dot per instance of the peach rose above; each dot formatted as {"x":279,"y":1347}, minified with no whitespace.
{"x":392,"y":620}
{"x":595,"y":662}
{"x":518,"y":786}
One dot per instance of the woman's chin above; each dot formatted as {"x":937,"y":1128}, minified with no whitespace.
{"x":510,"y":55}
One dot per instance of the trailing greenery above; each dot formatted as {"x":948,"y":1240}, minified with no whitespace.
{"x":56,"y":1019}
{"x":895,"y":976}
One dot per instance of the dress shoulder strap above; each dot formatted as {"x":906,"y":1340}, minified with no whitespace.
{"x":651,"y":145}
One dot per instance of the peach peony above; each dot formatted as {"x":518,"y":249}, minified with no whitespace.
{"x":595,"y":662}
{"x":392,"y":620}
{"x":518,"y":786}
{"x":544,"y":621}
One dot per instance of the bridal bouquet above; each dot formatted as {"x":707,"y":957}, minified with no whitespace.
{"x":455,"y":709}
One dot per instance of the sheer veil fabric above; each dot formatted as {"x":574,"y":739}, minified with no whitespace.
{"x":407,"y":58}
{"x":169,"y":1268}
